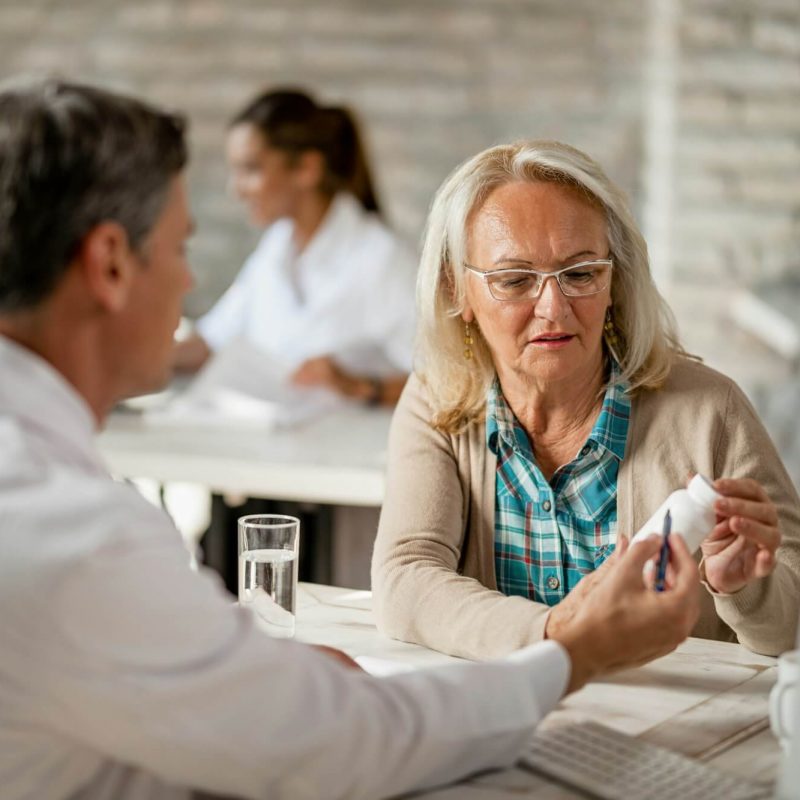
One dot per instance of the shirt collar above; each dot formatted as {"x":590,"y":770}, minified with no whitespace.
{"x":610,"y":431}
{"x":342,"y":217}
{"x":502,"y":424}
{"x":36,"y":393}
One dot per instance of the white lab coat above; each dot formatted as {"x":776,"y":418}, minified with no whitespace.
{"x":349,"y":294}
{"x":125,"y":675}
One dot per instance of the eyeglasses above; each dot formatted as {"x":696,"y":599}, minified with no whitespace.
{"x":576,"y":280}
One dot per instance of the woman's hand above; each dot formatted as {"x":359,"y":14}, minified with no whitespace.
{"x":742,"y":546}
{"x":619,"y":621}
{"x":321,"y":371}
{"x":324,"y":371}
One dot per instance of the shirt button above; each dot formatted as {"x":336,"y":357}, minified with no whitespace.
{"x":553,"y":582}
{"x":585,"y":450}
{"x":546,"y":505}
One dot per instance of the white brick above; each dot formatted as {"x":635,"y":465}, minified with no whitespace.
{"x":742,"y":72}
{"x":261,"y":19}
{"x":20,"y":19}
{"x":734,"y":151}
{"x":777,"y":114}
{"x":204,"y":14}
{"x":435,"y":82}
{"x":145,"y":17}
{"x":721,"y":30}
{"x":778,"y":36}
{"x":710,"y":108}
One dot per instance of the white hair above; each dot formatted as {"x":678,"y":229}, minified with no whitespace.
{"x":647,"y":340}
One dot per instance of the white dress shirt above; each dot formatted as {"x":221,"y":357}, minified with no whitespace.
{"x":348,"y":294}
{"x":125,"y":675}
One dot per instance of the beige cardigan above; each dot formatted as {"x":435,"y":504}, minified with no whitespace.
{"x":433,"y":575}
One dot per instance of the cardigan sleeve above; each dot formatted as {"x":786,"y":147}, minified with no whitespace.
{"x":764,"y":614}
{"x":423,"y":556}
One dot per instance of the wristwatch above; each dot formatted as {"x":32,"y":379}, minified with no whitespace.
{"x":375,"y":394}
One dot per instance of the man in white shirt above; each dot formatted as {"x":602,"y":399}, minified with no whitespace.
{"x":123,"y":674}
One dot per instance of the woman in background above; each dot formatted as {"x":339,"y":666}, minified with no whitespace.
{"x":329,"y":289}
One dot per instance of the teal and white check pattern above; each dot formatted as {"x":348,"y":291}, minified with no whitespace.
{"x":549,"y":535}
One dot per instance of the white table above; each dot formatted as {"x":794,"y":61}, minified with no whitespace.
{"x":338,"y":458}
{"x":707,"y":700}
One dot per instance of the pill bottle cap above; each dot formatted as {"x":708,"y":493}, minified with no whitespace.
{"x":702,"y":492}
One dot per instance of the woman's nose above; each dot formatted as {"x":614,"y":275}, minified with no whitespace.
{"x":551,"y":302}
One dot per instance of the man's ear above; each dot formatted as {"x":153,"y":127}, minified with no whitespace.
{"x":107,"y":264}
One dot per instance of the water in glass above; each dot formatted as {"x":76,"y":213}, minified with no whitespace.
{"x":266,"y":585}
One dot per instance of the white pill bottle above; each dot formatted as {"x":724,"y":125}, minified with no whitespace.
{"x":692,"y":511}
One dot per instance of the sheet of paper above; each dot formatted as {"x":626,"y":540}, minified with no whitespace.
{"x":246,"y":385}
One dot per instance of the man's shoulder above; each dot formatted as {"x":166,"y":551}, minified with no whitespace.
{"x":41,"y":492}
{"x":19,"y":462}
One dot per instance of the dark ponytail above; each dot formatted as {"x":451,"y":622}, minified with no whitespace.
{"x":292,"y":122}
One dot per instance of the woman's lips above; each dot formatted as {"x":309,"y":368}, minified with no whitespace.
{"x":555,"y":342}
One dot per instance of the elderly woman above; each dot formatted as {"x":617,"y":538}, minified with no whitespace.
{"x":551,"y":413}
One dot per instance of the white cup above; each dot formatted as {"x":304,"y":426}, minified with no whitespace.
{"x":783,"y":700}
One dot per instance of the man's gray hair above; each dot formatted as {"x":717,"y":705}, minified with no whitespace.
{"x":73,"y":156}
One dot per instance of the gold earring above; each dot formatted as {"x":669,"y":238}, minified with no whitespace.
{"x":468,"y":342}
{"x":611,"y":335}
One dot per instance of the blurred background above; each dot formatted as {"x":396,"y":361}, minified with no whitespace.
{"x":693,"y":106}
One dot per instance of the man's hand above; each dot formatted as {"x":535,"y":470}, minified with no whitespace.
{"x":620,"y":621}
{"x":564,"y":613}
{"x":742,"y":546}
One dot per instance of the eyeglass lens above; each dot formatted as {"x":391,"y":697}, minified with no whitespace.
{"x":525,"y":284}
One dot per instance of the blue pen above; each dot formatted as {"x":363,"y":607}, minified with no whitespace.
{"x":663,"y":558}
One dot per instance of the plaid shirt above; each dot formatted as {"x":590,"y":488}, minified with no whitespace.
{"x":549,"y":535}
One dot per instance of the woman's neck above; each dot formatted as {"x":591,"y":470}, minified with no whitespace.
{"x":308,"y":217}
{"x":556,"y":410}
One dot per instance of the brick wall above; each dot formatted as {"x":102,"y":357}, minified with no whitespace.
{"x":436,"y":81}
{"x":433,"y":82}
{"x":738,"y":147}
{"x":727,"y":189}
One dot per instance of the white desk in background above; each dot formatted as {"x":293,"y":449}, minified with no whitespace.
{"x":708,"y":700}
{"x":338,"y":458}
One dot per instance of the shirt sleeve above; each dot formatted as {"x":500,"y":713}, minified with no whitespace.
{"x":764,"y":614}
{"x":395,"y":314}
{"x":164,"y":673}
{"x":423,"y":585}
{"x":226,"y":320}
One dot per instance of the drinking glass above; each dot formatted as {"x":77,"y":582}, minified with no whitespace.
{"x":268,"y":547}
{"x":784,"y":700}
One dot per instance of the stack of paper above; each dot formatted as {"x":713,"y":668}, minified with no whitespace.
{"x":245,"y":385}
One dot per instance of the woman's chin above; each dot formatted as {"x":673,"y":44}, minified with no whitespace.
{"x":552,"y":365}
